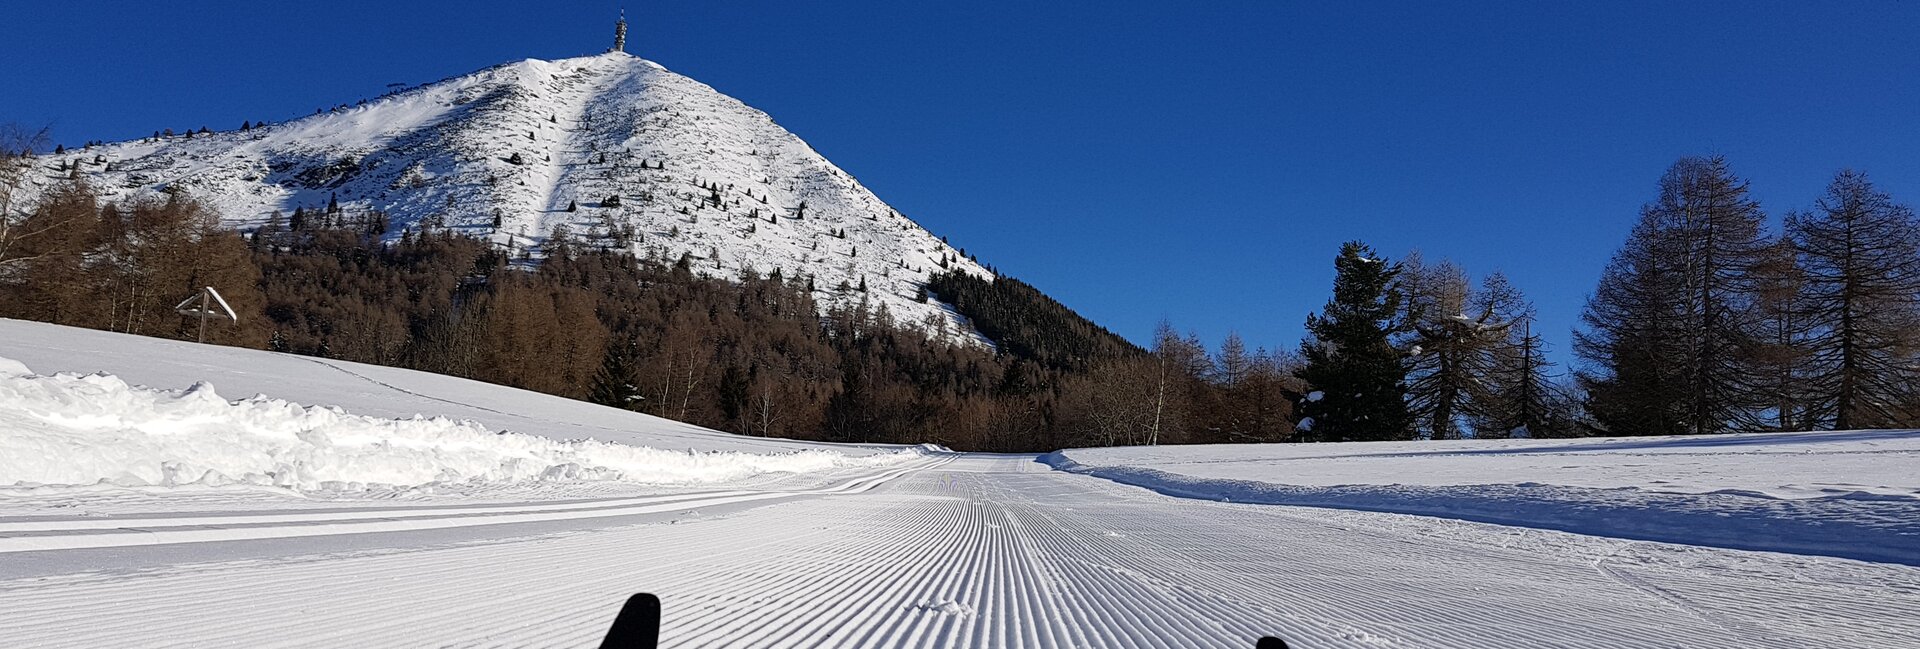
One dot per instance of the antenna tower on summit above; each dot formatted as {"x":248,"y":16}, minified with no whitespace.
{"x":620,"y":33}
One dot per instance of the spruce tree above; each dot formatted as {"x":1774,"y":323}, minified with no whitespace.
{"x":617,"y":384}
{"x":1354,"y":370}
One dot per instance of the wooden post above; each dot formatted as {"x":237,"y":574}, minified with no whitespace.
{"x":208,"y":298}
{"x":202,"y":339}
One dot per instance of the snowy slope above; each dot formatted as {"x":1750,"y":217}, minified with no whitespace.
{"x":79,"y":430}
{"x":334,"y":429}
{"x":1851,"y":494}
{"x":371,"y":390}
{"x":874,"y":548}
{"x":585,"y":129}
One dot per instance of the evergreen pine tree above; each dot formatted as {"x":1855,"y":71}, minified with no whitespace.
{"x":617,"y":383}
{"x":1352,"y":365}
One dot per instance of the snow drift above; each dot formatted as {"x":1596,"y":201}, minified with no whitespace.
{"x":74,"y":429}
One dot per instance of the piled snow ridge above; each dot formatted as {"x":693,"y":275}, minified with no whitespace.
{"x":73,"y":429}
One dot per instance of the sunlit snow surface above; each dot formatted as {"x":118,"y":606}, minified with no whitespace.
{"x":884,"y":548}
{"x":73,"y":430}
{"x":1851,"y":494}
{"x":176,"y":419}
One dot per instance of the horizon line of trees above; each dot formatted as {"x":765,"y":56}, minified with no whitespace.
{"x":1703,"y":323}
{"x":751,"y":354}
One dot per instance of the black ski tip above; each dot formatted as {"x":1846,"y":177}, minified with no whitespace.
{"x":638,"y":625}
{"x":1270,"y":642}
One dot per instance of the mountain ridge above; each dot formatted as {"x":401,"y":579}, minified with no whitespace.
{"x":618,"y":149}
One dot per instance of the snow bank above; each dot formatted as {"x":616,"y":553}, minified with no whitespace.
{"x":1741,"y":492}
{"x":72,"y":429}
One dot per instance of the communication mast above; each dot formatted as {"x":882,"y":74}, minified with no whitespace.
{"x":620,"y":33}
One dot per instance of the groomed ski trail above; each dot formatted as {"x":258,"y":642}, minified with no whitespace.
{"x":985,"y":551}
{"x":84,"y":533}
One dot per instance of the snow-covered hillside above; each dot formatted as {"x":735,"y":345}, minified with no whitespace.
{"x":337,"y":429}
{"x":83,"y":430}
{"x":622,"y":140}
{"x":1849,"y":494}
{"x":372,"y":390}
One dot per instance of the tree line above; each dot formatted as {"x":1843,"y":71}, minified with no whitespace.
{"x":752,"y":354}
{"x":1703,"y":322}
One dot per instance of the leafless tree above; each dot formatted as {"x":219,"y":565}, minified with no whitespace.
{"x":1860,"y":252}
{"x":17,"y":147}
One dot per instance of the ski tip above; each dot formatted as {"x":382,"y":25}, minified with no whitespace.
{"x":1270,"y":642}
{"x":637,"y":626}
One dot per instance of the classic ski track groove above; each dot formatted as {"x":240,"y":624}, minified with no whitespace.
{"x":983,"y":551}
{"x":106,"y":533}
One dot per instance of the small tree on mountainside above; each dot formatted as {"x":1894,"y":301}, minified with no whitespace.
{"x":616,"y":384}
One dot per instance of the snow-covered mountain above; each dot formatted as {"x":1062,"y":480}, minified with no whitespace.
{"x":622,"y":140}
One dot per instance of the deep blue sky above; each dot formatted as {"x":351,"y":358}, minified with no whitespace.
{"x":1137,"y":160}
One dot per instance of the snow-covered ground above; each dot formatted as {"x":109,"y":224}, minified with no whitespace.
{"x":878,"y":546}
{"x":75,"y":430}
{"x":980,"y":551}
{"x":221,"y":427}
{"x":361,"y":389}
{"x":1847,"y":464}
{"x":1849,"y":494}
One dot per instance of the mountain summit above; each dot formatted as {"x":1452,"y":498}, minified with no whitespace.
{"x":616,"y":149}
